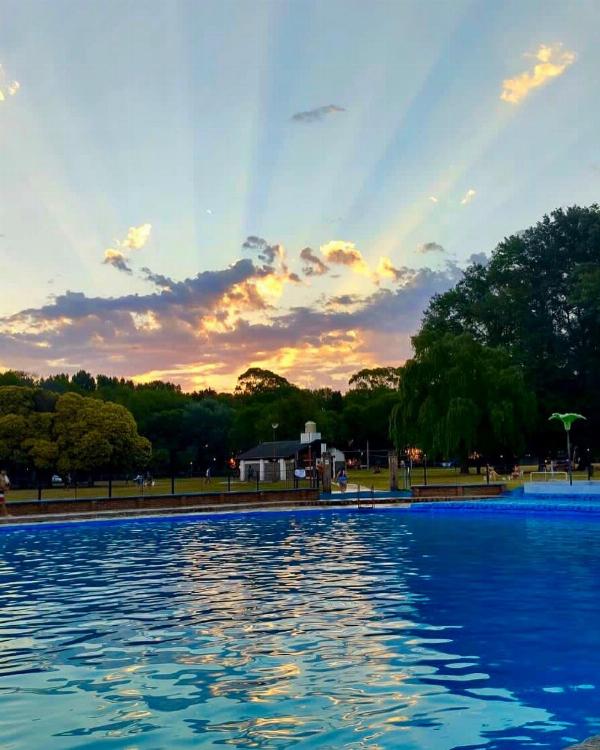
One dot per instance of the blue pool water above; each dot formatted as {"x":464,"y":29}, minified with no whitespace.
{"x":311,"y":630}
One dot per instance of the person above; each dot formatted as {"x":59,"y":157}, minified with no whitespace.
{"x":342,"y":479}
{"x":207,"y":476}
{"x":516,"y":472}
{"x":4,"y":487}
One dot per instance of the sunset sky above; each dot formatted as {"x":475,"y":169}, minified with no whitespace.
{"x":188,"y":189}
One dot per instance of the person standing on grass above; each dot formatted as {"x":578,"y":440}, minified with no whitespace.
{"x":4,"y":487}
{"x":207,"y":476}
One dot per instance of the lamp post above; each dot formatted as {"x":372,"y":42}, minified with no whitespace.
{"x":274,"y":426}
{"x":567,"y":421}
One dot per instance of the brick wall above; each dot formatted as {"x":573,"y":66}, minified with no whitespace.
{"x":202,"y":501}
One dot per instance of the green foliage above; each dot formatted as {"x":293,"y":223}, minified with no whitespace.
{"x":377,"y":378}
{"x":78,"y":435}
{"x":258,"y":381}
{"x":457,"y":396}
{"x":539,"y":299}
{"x":92,"y":435}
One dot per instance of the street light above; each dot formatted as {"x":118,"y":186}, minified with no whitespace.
{"x":274,"y":425}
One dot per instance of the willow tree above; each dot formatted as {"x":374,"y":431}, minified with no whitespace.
{"x":538,"y":298}
{"x":457,"y":397}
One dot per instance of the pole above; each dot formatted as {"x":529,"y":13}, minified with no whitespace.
{"x":569,"y":458}
{"x":393,"y":467}
{"x":368,"y":458}
{"x":425,"y":469}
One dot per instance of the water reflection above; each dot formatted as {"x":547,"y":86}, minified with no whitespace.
{"x":318,"y":631}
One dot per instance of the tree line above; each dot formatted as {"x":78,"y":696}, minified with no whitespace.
{"x":86,"y":426}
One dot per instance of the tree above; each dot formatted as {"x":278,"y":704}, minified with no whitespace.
{"x":538,"y":298}
{"x":93,"y":435}
{"x":84,"y":382}
{"x":457,"y":396}
{"x":16,"y":377}
{"x":376,"y":378}
{"x":255,"y":380}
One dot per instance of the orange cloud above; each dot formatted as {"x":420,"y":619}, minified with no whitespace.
{"x":340,"y":252}
{"x":8,"y":87}
{"x":552,"y":61}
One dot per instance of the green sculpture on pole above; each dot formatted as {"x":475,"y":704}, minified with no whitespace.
{"x":567,"y":420}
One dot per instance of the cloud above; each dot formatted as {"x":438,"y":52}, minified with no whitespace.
{"x":136,"y":239}
{"x":431,"y":247}
{"x":468,"y":197}
{"x":116,"y":259}
{"x":162,"y":282}
{"x":314,"y":266}
{"x":386,"y":270}
{"x":433,"y":199}
{"x":552,"y":61}
{"x":315,"y":115}
{"x":342,"y":253}
{"x":267,"y":253}
{"x":8,"y":87}
{"x":343,"y":300}
{"x":207,"y":328}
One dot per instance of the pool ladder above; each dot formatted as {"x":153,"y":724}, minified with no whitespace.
{"x":365,"y":503}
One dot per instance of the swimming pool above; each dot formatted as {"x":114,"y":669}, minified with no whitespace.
{"x":305,"y":630}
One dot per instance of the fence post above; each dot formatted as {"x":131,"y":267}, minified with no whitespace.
{"x":257,"y":479}
{"x":229,"y":480}
{"x":39,"y":491}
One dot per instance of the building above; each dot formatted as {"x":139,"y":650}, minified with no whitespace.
{"x":279,"y":459}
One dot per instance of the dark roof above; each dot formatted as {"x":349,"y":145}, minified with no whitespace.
{"x":277,"y":449}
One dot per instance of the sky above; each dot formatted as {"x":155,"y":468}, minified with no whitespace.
{"x":189,"y":189}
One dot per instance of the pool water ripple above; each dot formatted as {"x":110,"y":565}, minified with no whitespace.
{"x":380,"y":630}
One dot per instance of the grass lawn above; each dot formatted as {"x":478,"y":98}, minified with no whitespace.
{"x":368,"y":478}
{"x":161,"y":487}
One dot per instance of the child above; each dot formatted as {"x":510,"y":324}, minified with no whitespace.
{"x":342,"y":479}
